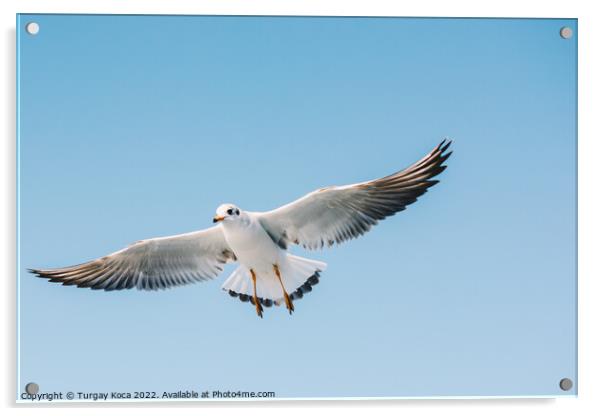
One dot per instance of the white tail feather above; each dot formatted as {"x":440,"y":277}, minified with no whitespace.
{"x":294,"y":272}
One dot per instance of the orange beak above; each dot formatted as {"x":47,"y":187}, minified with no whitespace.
{"x":217,"y":218}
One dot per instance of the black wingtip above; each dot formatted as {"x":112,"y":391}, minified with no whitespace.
{"x":445,"y":145}
{"x":38,"y":273}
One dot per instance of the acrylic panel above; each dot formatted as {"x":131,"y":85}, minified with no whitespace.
{"x":137,"y":127}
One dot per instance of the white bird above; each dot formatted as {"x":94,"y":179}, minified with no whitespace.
{"x":267,"y":274}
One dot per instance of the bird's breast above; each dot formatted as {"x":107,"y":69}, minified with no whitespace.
{"x":251,"y":243}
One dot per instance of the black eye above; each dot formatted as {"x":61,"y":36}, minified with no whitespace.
{"x":229,"y":211}
{"x":237,"y":211}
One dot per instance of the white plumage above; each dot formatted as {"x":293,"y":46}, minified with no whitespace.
{"x":267,"y":274}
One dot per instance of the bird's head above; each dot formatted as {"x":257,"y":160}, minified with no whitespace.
{"x":226,"y":212}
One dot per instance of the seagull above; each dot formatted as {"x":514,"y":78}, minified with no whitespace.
{"x":267,"y":274}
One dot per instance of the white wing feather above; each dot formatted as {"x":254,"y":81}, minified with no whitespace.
{"x":157,"y":263}
{"x":339,"y":213}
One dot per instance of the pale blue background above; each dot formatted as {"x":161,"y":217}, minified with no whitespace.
{"x":134,"y":127}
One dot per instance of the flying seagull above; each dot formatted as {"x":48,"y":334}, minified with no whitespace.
{"x":268,"y":275}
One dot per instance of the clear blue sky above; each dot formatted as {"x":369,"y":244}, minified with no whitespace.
{"x":136,"y":127}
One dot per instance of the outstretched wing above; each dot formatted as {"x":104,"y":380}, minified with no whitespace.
{"x":339,"y":213}
{"x":157,"y":263}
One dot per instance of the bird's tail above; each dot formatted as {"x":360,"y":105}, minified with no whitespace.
{"x":297,"y":273}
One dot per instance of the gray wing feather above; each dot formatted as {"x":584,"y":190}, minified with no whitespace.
{"x":339,"y":213}
{"x":157,"y":263}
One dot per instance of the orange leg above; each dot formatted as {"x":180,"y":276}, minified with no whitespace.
{"x":287,"y":299}
{"x":258,"y":307}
